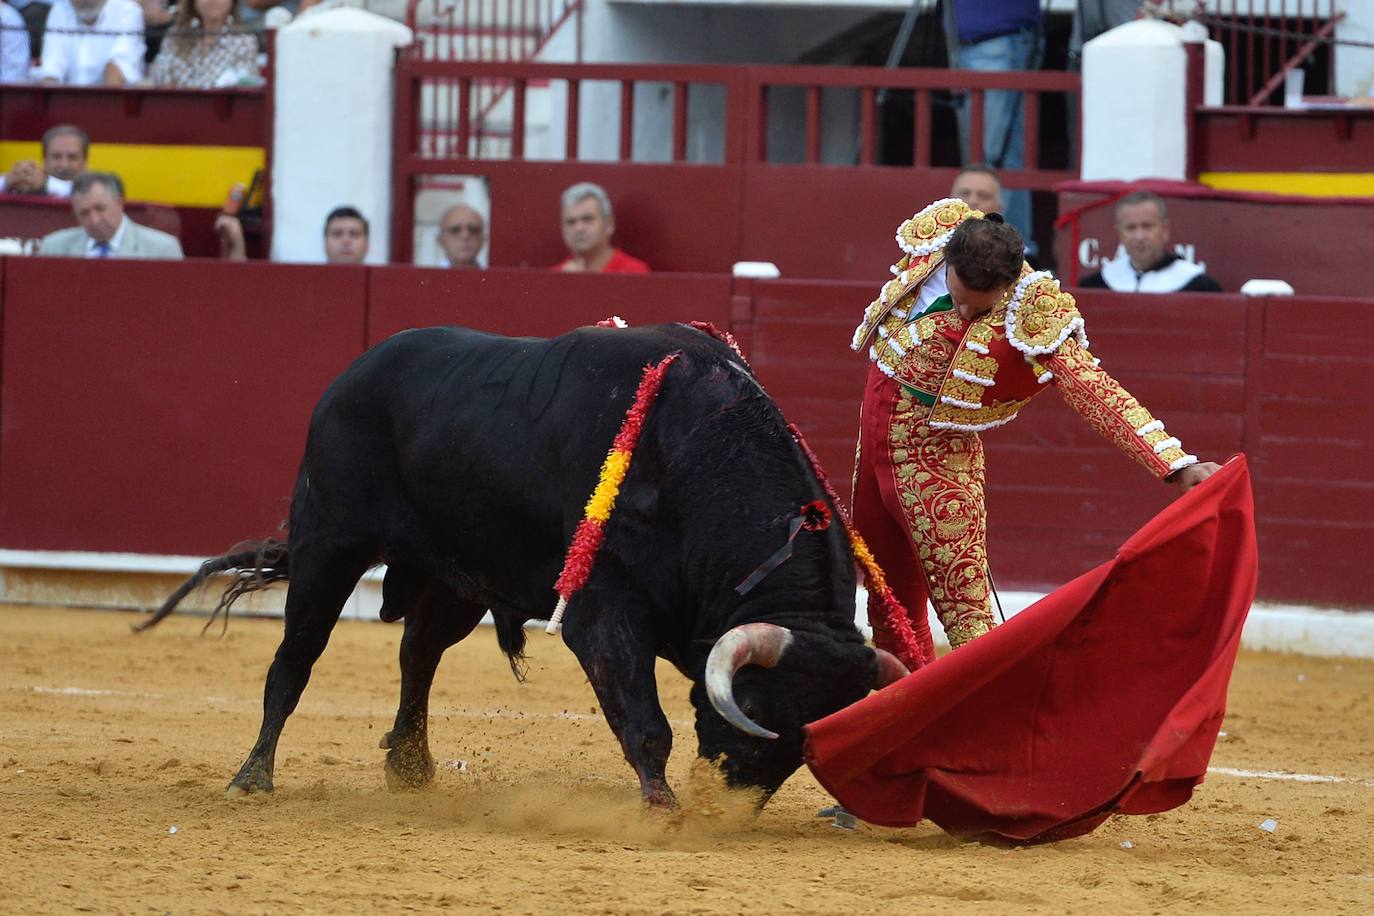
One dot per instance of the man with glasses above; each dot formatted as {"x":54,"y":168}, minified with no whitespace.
{"x":462,"y":235}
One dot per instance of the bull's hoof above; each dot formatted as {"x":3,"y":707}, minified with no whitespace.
{"x":408,"y":772}
{"x":249,"y":781}
{"x":659,"y":797}
{"x":237,"y":789}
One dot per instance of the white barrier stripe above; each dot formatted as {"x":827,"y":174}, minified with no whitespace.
{"x":1287,"y":777}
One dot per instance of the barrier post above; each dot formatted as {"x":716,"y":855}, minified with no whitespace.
{"x":332,"y":139}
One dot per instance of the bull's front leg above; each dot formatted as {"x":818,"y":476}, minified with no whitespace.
{"x":616,"y":647}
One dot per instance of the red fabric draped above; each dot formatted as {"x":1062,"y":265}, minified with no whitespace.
{"x":1103,"y":697}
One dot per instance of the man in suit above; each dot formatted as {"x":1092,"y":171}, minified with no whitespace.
{"x":105,"y":232}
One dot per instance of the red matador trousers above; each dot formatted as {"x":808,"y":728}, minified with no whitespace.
{"x":918,"y":502}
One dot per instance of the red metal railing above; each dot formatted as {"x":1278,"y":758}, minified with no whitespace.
{"x":1264,"y":39}
{"x":439,"y":117}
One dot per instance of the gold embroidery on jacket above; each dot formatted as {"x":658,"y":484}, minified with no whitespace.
{"x":1112,"y":411}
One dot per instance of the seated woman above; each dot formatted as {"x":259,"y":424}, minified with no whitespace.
{"x":201,"y":50}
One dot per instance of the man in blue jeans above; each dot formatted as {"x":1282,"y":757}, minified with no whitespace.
{"x":995,"y":35}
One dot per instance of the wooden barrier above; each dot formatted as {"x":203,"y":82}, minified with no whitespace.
{"x":161,"y":408}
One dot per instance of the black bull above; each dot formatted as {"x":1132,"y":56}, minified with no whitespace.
{"x":463,"y":461}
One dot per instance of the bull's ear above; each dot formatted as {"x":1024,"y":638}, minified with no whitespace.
{"x":890,"y":669}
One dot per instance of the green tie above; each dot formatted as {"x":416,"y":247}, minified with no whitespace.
{"x":942,"y":304}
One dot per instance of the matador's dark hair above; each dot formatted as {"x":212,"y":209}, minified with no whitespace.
{"x":986,"y":254}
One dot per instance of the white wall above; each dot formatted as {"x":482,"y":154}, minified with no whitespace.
{"x":332,"y":136}
{"x":1134,"y":101}
{"x":1355,"y":66}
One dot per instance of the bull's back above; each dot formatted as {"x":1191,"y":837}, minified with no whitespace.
{"x":466,"y":398}
{"x":459,"y":443}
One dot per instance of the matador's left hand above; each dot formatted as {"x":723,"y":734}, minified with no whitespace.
{"x":1194,"y":474}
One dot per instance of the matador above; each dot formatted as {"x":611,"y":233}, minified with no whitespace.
{"x":960,"y":339}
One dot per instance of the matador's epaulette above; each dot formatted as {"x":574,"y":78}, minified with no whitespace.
{"x":921,"y":238}
{"x":1041,"y":316}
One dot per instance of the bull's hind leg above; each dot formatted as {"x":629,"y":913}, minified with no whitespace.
{"x":436,"y":618}
{"x":320,"y":584}
{"x":617,"y":648}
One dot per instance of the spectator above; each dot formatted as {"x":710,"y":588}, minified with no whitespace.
{"x":345,"y":237}
{"x":203,"y":50}
{"x":979,"y":187}
{"x":1145,"y":263}
{"x":588,"y":224}
{"x":996,"y":36}
{"x":105,"y":232}
{"x":462,"y":233}
{"x":93,"y":42}
{"x":64,"y":157}
{"x":14,"y":46}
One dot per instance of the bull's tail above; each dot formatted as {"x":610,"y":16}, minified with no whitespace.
{"x":510,"y":636}
{"x":256,"y":565}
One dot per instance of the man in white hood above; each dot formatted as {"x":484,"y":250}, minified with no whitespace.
{"x":1147,"y":264}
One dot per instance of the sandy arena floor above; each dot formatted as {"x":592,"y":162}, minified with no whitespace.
{"x":109,"y":741}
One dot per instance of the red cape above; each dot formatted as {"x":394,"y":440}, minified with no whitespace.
{"x":1103,"y":697}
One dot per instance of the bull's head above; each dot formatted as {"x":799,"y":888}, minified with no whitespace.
{"x":763,"y":683}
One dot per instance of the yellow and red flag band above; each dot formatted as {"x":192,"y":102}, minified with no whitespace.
{"x":577,"y":566}
{"x":894,"y":617}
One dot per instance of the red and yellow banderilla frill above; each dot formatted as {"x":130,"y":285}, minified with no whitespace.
{"x":577,"y":566}
{"x":894,"y":622}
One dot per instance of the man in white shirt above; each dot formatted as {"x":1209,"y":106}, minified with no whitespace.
{"x":14,"y":46}
{"x":93,"y":42}
{"x":105,"y":232}
{"x":65,"y":147}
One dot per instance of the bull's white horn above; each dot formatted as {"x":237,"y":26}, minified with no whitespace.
{"x":890,"y":669}
{"x":762,"y":644}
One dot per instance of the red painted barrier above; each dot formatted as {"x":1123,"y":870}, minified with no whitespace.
{"x":536,"y":303}
{"x":161,"y":408}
